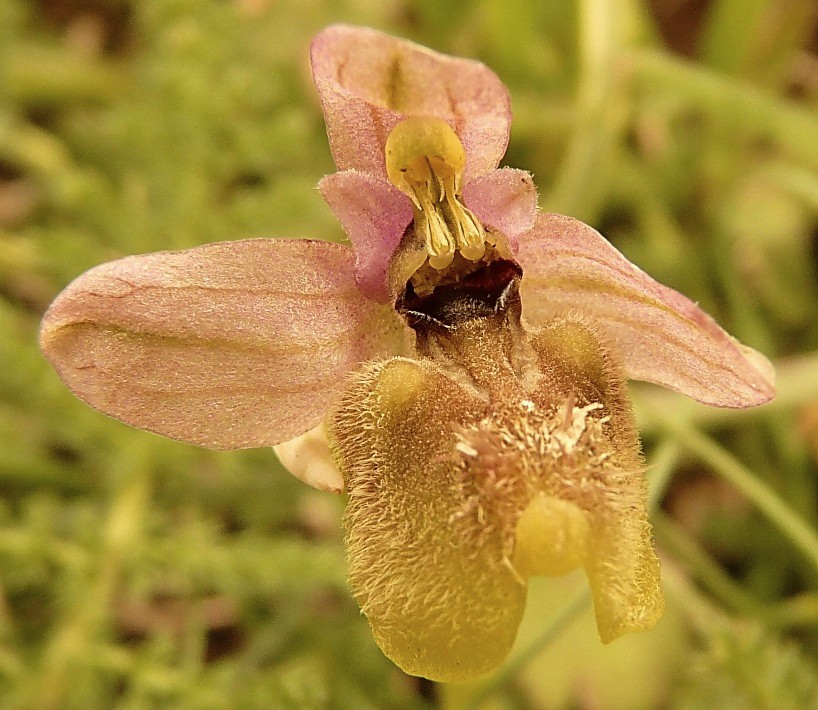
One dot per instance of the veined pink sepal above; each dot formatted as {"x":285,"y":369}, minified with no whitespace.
{"x":229,"y":345}
{"x":369,"y":81}
{"x":661,"y":335}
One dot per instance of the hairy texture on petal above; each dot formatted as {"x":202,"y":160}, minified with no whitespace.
{"x":504,"y":199}
{"x":499,"y":456}
{"x":440,"y":605}
{"x":369,"y":81}
{"x":375,"y":216}
{"x":569,"y":441}
{"x":598,"y":468}
{"x":228,"y":345}
{"x":308,"y":458}
{"x":661,"y":336}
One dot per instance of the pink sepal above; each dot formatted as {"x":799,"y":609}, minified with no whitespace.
{"x":229,"y":345}
{"x":368,"y":81}
{"x":660,"y":335}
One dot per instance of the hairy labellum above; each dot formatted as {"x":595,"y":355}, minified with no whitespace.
{"x":499,"y":453}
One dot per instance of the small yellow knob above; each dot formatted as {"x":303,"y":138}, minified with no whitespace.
{"x":419,"y":148}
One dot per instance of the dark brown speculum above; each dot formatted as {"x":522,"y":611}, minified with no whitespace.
{"x":492,"y":288}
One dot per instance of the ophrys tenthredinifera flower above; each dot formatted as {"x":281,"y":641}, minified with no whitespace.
{"x":465,"y":360}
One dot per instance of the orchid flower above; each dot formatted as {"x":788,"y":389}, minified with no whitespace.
{"x":459,"y":371}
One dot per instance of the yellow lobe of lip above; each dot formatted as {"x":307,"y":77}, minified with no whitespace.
{"x":425,"y":160}
{"x":552,"y":537}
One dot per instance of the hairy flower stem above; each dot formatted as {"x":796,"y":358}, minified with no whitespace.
{"x":599,"y":119}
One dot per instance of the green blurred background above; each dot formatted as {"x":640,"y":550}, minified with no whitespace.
{"x":136,"y":572}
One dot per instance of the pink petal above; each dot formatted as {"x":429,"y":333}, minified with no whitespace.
{"x":228,"y":345}
{"x":661,"y":336}
{"x":375,"y":216}
{"x":368,"y":81}
{"x":504,"y":199}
